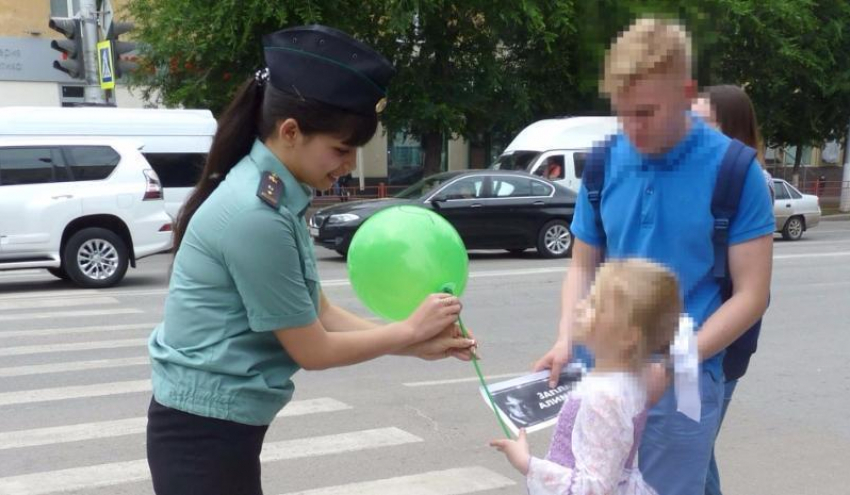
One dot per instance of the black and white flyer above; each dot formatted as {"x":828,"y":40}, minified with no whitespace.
{"x":528,"y":402}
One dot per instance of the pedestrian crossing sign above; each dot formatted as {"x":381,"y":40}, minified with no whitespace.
{"x":105,"y":66}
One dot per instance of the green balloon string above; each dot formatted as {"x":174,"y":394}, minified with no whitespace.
{"x":484,"y":383}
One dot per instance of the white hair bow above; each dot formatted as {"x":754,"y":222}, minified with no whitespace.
{"x":685,"y":359}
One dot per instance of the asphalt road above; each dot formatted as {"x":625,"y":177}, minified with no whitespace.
{"x":74,"y":387}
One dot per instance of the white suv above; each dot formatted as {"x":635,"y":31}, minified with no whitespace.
{"x":83,"y":209}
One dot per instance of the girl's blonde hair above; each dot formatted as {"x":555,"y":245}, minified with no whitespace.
{"x":648,"y":294}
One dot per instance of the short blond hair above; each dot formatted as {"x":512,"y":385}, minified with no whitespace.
{"x":650,"y":45}
{"x":648,"y":295}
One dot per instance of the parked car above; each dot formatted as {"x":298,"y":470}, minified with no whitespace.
{"x":490,"y":210}
{"x":795,"y":212}
{"x":82,"y":208}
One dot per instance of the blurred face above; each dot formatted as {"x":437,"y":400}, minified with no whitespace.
{"x":702,"y":108}
{"x":599,"y":325}
{"x":317,"y":160}
{"x":653,"y":111}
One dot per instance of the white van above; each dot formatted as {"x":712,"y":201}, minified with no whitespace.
{"x":174,"y":142}
{"x":556,"y":148}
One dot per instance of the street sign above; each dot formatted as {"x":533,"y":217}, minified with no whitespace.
{"x":106,"y":69}
{"x":106,"y":16}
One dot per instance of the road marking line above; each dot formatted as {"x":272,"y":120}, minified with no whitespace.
{"x":99,"y":364}
{"x":76,"y":330}
{"x":132,"y":426}
{"x":74,"y":346}
{"x":452,"y":381}
{"x":75,"y":392}
{"x":456,"y":481}
{"x":811,"y":255}
{"x":70,"y":314}
{"x":50,"y":293}
{"x":117,"y":473}
{"x":65,"y":302}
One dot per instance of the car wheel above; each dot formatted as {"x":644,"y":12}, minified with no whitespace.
{"x":555,"y":240}
{"x":793,"y":229}
{"x":95,"y":258}
{"x":59,"y":273}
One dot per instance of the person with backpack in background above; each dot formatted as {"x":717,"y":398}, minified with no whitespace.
{"x":729,"y":109}
{"x":649,"y":193}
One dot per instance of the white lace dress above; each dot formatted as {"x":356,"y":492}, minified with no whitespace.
{"x":594,"y":446}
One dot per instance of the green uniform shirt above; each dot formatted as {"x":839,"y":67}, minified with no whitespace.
{"x":243,"y":270}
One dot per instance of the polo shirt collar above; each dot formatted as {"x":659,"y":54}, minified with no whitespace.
{"x":296,"y":196}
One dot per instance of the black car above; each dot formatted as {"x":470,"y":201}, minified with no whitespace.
{"x":490,"y":209}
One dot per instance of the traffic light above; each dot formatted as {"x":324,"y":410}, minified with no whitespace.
{"x":121,"y":47}
{"x":72,"y":62}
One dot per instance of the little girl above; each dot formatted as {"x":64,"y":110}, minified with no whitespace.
{"x":630,"y":315}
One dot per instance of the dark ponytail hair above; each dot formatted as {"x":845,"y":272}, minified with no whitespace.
{"x":735,"y":114}
{"x":255,"y":112}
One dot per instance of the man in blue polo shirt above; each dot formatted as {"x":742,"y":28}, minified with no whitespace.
{"x":656,"y":203}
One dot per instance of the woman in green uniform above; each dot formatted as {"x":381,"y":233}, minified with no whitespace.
{"x":245,"y":309}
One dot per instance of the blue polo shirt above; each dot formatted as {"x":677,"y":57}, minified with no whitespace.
{"x":659,"y":208}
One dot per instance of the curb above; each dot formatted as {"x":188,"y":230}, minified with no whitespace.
{"x":836,"y":218}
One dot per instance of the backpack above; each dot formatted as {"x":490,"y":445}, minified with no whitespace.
{"x":724,"y":207}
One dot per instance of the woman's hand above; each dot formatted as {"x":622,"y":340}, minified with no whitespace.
{"x":449,"y":342}
{"x":434,"y":315}
{"x":517,"y":451}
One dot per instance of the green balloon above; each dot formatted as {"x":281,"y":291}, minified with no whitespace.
{"x":401,"y":255}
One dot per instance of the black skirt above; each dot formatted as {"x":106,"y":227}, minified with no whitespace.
{"x":195,"y":455}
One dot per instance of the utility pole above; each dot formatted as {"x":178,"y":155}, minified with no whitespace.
{"x":844,"y":204}
{"x":89,"y":16}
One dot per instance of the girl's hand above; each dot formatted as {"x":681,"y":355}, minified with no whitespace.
{"x":449,"y":342}
{"x":517,"y":451}
{"x":657,"y":382}
{"x":437,"y":312}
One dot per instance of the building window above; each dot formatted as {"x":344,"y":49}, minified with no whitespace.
{"x":405,"y":159}
{"x":72,"y":96}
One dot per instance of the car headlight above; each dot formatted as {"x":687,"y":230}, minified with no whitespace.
{"x":342,"y":218}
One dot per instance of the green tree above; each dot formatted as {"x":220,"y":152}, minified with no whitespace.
{"x":792,"y":57}
{"x":195,"y":53}
{"x":465,"y":67}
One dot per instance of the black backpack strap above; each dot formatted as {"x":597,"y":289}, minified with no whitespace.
{"x":724,"y":202}
{"x":593,"y":178}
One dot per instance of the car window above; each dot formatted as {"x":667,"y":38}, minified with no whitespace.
{"x":519,"y":160}
{"x":539,"y":188}
{"x":579,"y":159}
{"x":466,"y":188}
{"x":177,"y":169}
{"x":91,"y":162}
{"x":795,"y":194}
{"x":552,"y":168}
{"x":512,"y":187}
{"x":31,"y":165}
{"x":781,"y":192}
{"x":424,"y":187}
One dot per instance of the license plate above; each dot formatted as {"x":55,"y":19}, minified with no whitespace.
{"x":314,"y":232}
